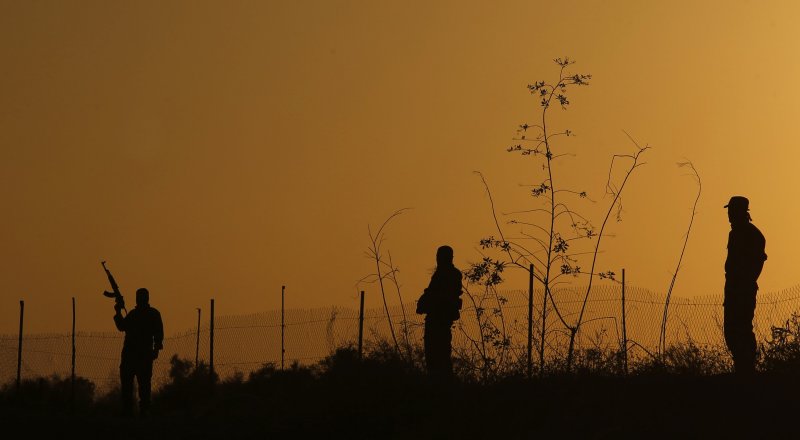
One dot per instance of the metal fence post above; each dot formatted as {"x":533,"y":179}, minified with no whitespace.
{"x":197,"y":345}
{"x":211,"y":343}
{"x":72,"y":390}
{"x":545,"y":291}
{"x":361,"y":327}
{"x":283,"y":326}
{"x":624,"y":328}
{"x":19,"y":346}
{"x":530,"y":322}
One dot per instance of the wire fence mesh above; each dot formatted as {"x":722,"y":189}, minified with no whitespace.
{"x":243,"y":343}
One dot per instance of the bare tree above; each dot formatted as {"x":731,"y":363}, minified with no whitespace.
{"x":492,"y":343}
{"x":662,"y":340}
{"x":616,"y":192}
{"x":385,"y":270}
{"x":554,"y":226}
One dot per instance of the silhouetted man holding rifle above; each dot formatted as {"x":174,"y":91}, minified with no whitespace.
{"x":742,"y":267}
{"x":144,"y":335}
{"x":440,"y":303}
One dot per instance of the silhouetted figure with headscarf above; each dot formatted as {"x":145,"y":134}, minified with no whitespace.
{"x":742,"y":267}
{"x":441,"y":302}
{"x":144,"y":334}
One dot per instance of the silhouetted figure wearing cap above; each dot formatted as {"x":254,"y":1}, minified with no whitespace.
{"x":144,"y":334}
{"x":742,"y":267}
{"x":441,"y":302}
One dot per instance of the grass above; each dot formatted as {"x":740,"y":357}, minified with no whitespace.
{"x":687,"y":393}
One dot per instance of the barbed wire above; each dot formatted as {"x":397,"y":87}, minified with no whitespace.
{"x":244,"y":343}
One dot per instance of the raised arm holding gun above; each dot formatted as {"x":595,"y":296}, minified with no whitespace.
{"x":119,"y":301}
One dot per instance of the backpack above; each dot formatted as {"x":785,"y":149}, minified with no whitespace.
{"x":425,"y":305}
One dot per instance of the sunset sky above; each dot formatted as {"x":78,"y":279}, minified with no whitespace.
{"x":223,"y":149}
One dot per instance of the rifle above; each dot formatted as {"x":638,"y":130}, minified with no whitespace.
{"x":115,"y":293}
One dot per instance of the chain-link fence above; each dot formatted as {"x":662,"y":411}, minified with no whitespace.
{"x":243,"y":343}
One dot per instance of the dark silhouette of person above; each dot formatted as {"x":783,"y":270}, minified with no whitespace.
{"x":742,"y":267}
{"x":144,"y":335}
{"x":441,"y":302}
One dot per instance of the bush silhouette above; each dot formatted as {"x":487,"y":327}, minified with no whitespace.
{"x":51,"y":393}
{"x":189,"y":384}
{"x":781,"y":353}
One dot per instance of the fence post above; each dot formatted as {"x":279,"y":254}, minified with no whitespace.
{"x":361,"y":327}
{"x":211,"y":343}
{"x":624,"y":328}
{"x":72,"y":390}
{"x":19,"y":346}
{"x":283,"y":326}
{"x":545,"y":290}
{"x":197,"y":345}
{"x":530,"y":321}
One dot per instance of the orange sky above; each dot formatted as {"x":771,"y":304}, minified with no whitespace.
{"x":210,"y":149}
